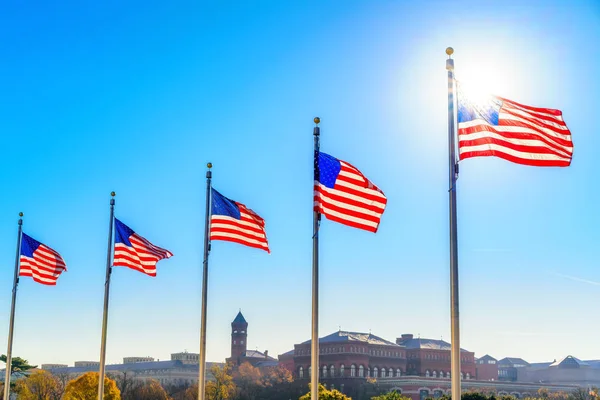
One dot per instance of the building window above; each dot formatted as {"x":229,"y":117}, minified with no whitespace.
{"x":353,"y":371}
{"x":375,"y":371}
{"x":234,"y":331}
{"x":398,"y":372}
{"x":241,"y":342}
{"x":461,"y":375}
{"x":332,"y":371}
{"x":235,"y":342}
{"x":361,"y":371}
{"x":437,"y":394}
{"x":423,"y":394}
{"x":301,"y":373}
{"x":309,"y":372}
{"x":434,"y":374}
{"x":342,"y":370}
{"x":383,"y":372}
{"x":391,"y":373}
{"x":468,"y":375}
{"x":324,"y":371}
{"x":427,"y":374}
{"x":368,"y":371}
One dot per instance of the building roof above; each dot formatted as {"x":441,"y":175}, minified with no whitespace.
{"x":512,"y":360}
{"x":239,"y":319}
{"x":487,"y":357}
{"x":258,"y":354}
{"x":570,"y":361}
{"x":266,"y":364}
{"x":345,"y":336}
{"x":429,"y":344}
{"x":128,"y":367}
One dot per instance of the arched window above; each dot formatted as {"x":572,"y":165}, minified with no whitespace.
{"x":361,"y":371}
{"x":324,"y":371}
{"x":353,"y":370}
{"x":461,"y":375}
{"x":332,"y":371}
{"x":375,"y":371}
{"x":368,"y":371}
{"x":398,"y":372}
{"x":391,"y":372}
{"x":301,"y":373}
{"x":342,"y":370}
{"x":448,"y":375}
{"x":468,"y":375}
{"x":383,"y":372}
{"x":309,"y":372}
{"x":434,"y":374}
{"x":427,"y":374}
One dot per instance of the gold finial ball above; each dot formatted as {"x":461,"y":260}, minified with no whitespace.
{"x":449,"y":51}
{"x":317,"y":120}
{"x":20,"y":214}
{"x":113,"y":194}
{"x":209,"y":165}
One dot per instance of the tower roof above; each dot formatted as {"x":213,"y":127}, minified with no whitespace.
{"x":239,"y":319}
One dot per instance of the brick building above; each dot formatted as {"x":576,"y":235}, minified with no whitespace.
{"x":486,"y":368}
{"x":239,"y":346}
{"x":347,"y":359}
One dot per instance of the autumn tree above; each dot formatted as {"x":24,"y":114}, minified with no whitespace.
{"x":249,"y":381}
{"x":325,"y":394}
{"x":146,"y":390}
{"x":222,"y":387}
{"x":86,"y":388}
{"x":40,"y":385}
{"x":393,"y":395}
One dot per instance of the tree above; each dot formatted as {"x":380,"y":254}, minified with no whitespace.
{"x":86,"y":388}
{"x":222,"y":388}
{"x":147,"y":390}
{"x":125,"y":382}
{"x":393,"y":395}
{"x":325,"y":394}
{"x":17,"y":364}
{"x":249,"y":381}
{"x":40,"y":385}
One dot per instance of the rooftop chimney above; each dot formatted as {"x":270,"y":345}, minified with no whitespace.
{"x":266,"y":353}
{"x":404,"y":337}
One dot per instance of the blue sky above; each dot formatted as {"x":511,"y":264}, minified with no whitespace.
{"x":137,"y":97}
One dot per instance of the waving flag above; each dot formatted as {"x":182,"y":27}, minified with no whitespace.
{"x":135,"y":252}
{"x":40,"y":262}
{"x":234,"y":222}
{"x":522,"y":134}
{"x":344,"y":195}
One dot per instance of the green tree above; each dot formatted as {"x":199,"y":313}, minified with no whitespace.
{"x":18,"y":364}
{"x":325,"y":394}
{"x":86,"y":388}
{"x":393,"y":395}
{"x":221,"y":388}
{"x":40,"y":385}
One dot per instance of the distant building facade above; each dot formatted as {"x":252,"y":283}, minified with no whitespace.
{"x":53,"y":366}
{"x":86,"y":364}
{"x":186,"y":358}
{"x":508,"y":368}
{"x":131,"y":360}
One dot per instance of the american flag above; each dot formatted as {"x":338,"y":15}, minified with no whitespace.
{"x":515,"y":132}
{"x":234,"y":222}
{"x":135,"y":252}
{"x":343,"y":194}
{"x":40,"y":262}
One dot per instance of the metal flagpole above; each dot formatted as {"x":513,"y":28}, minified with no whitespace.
{"x":453,"y":174}
{"x":314,"y":359}
{"x":12,"y":311}
{"x":202,"y":365}
{"x":109,"y":260}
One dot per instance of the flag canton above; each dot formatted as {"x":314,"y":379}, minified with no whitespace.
{"x":122,"y":233}
{"x":329,"y":168}
{"x":487,"y":109}
{"x":28,"y":246}
{"x":221,"y":205}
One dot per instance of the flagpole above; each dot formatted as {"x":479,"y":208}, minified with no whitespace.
{"x":106,"y":294}
{"x":453,"y":174}
{"x":202,"y":362}
{"x":12,"y":311}
{"x":314,"y":359}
